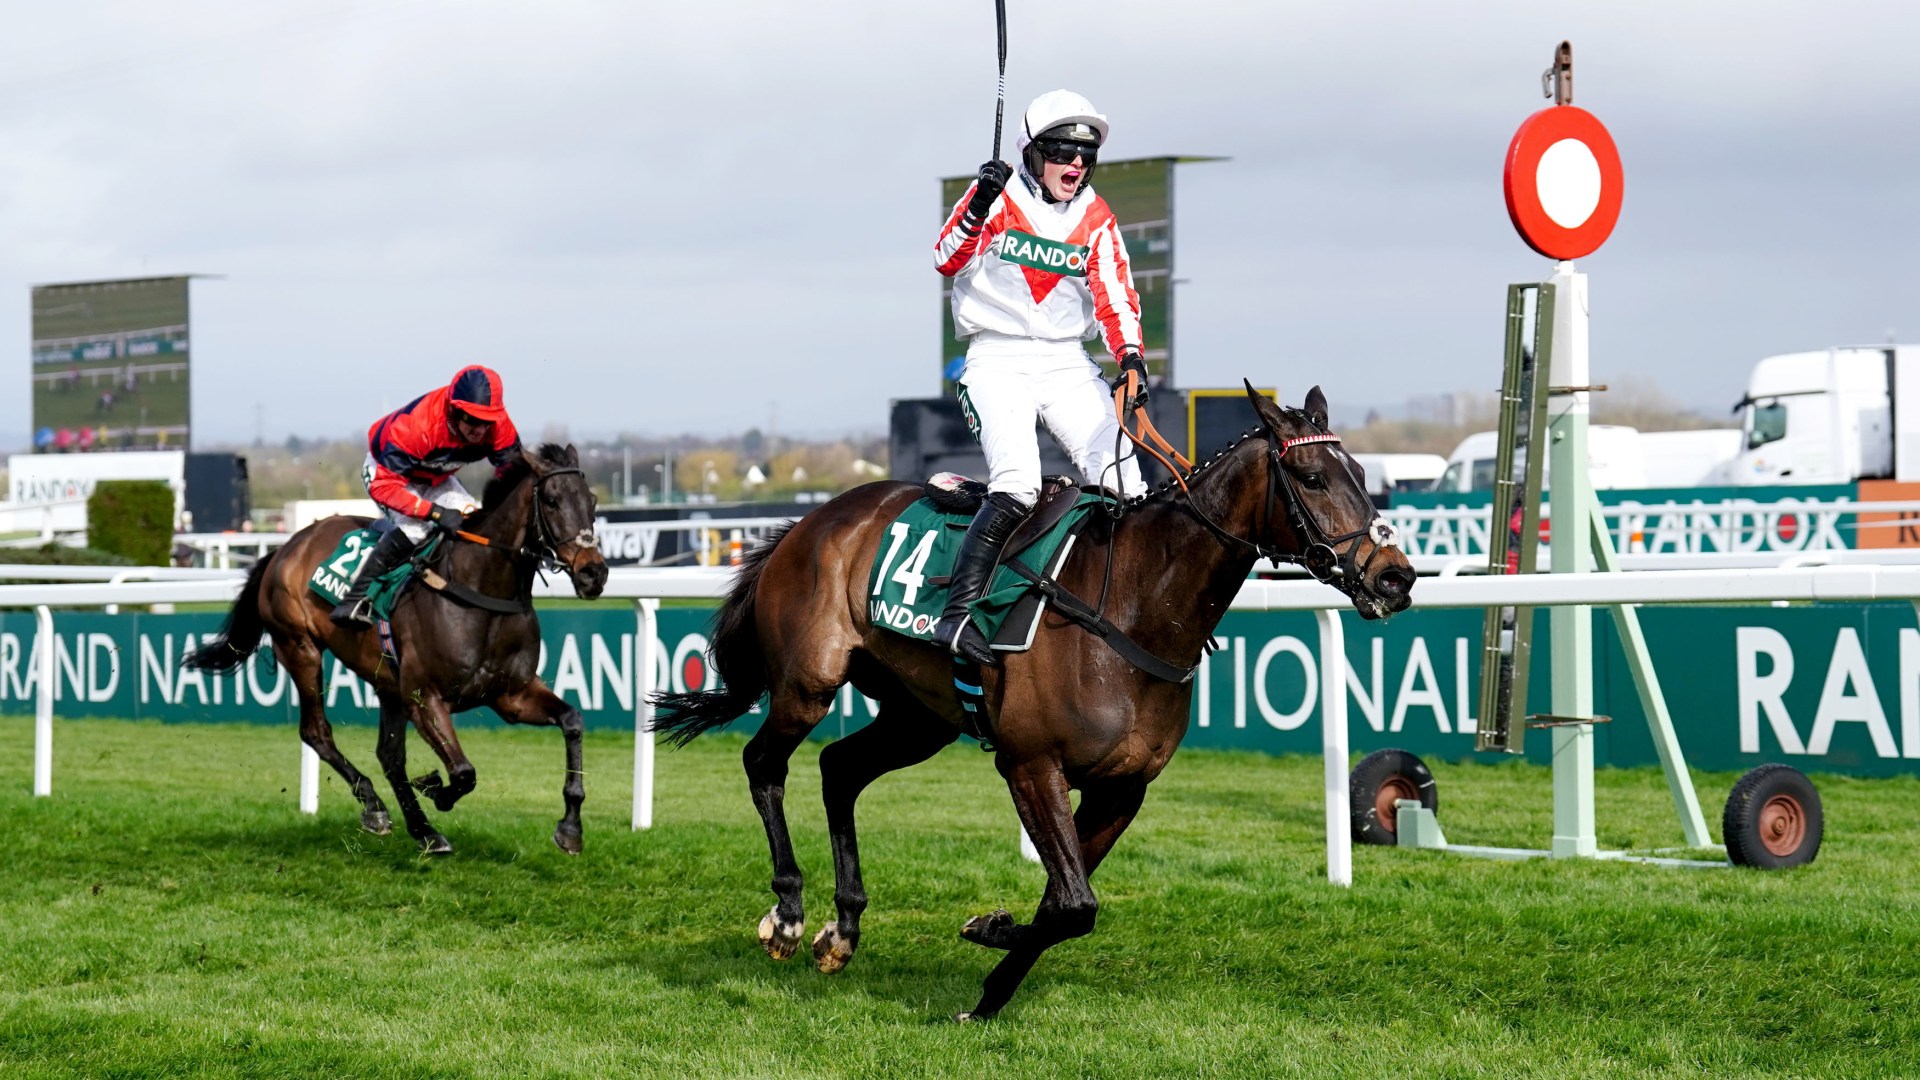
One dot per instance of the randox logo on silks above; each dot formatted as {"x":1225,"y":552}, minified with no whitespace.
{"x":1042,"y":254}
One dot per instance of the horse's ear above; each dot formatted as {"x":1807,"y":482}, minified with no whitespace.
{"x":1265,"y":408}
{"x":1316,"y":408}
{"x":573,"y":456}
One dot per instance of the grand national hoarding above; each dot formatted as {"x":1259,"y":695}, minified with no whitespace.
{"x":1829,"y":687}
{"x":1656,"y":521}
{"x":110,"y":365}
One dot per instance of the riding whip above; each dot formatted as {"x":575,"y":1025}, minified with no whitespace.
{"x":1000,"y":91}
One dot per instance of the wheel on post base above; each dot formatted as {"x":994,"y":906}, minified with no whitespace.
{"x":1773,"y":819}
{"x":1380,"y":780}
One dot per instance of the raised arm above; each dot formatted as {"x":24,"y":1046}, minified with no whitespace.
{"x":969,"y":227}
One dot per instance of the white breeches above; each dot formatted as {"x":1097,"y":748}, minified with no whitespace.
{"x":1008,"y":383}
{"x":448,"y":492}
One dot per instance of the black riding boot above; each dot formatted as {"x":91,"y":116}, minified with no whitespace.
{"x":393,"y":549}
{"x":999,"y":515}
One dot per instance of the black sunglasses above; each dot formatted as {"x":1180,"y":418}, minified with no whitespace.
{"x":1063,"y":151}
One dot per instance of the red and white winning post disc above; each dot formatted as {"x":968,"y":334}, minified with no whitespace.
{"x":1563,"y":182}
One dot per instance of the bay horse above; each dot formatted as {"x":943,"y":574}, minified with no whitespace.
{"x":1069,"y":713}
{"x":454,"y":655}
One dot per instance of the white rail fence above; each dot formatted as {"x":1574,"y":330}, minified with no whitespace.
{"x":645,"y":588}
{"x":719,"y":539}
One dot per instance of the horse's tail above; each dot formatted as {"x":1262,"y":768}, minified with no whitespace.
{"x":737,"y":656}
{"x":240,"y":634}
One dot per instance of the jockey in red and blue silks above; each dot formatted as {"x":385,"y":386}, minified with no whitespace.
{"x":413,"y":454}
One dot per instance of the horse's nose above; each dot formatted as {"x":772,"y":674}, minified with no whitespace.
{"x":1393,"y":584}
{"x":593,"y":578}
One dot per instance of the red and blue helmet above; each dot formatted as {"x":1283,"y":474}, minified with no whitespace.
{"x":478,"y":392}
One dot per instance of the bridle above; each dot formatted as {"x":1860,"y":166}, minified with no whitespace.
{"x":545,"y":550}
{"x":1341,"y":569}
{"x":1321,"y":557}
{"x":548,"y":551}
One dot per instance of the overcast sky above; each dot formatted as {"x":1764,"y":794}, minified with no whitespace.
{"x":706,"y":216}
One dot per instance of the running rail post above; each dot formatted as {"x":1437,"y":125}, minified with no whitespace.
{"x":43,"y":671}
{"x":647,"y":620}
{"x":1571,"y":502}
{"x":1333,"y":746}
{"x":309,"y":778}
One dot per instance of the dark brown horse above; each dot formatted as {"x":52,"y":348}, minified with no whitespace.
{"x":1068,"y":714}
{"x":453,"y":655}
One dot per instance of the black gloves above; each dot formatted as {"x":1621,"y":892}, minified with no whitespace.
{"x":992,"y":181}
{"x":449,"y":519}
{"x":1131,"y":360}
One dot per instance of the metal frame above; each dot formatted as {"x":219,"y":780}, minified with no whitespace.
{"x":1507,"y":637}
{"x":1580,"y":541}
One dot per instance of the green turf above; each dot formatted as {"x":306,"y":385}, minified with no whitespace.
{"x":164,"y":399}
{"x":167,"y":912}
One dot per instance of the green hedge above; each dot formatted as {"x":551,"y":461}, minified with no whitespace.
{"x":132,"y":519}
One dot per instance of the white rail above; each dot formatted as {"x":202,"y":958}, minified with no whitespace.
{"x":647,"y":586}
{"x":37,"y":572}
{"x":220,"y":547}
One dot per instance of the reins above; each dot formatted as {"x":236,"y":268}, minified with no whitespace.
{"x":1148,"y":438}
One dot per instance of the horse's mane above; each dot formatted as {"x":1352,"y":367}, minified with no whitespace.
{"x":518,"y":470}
{"x":1203,"y":469}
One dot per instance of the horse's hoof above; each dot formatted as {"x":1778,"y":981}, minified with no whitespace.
{"x":972,"y":1017}
{"x":567,"y":840}
{"x":435,"y":844}
{"x":831,"y":951}
{"x":376,"y":822}
{"x":428,"y":783}
{"x":992,"y":930}
{"x":778,"y":938}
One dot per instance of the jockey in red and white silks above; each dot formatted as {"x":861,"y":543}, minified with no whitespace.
{"x":1036,"y":271}
{"x":1038,"y":266}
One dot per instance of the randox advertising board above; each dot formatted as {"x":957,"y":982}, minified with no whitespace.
{"x":1656,"y":520}
{"x":1823,"y":688}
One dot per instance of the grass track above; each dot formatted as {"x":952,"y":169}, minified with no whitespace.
{"x":168,"y":913}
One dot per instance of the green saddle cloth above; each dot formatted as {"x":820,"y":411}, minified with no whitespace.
{"x":333,"y":577}
{"x":907,"y":588}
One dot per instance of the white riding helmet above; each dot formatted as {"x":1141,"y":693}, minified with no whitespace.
{"x":1065,"y":116}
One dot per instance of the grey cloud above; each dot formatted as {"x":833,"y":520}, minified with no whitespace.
{"x":656,"y":217}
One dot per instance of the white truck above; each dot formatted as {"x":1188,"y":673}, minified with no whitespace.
{"x":1614,"y":460}
{"x":1390,"y":474}
{"x":1678,"y":459}
{"x":1830,"y":417}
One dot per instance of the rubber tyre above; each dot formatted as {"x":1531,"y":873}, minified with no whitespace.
{"x":1382,"y":777}
{"x":1773,"y":819}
